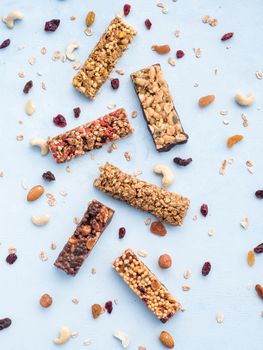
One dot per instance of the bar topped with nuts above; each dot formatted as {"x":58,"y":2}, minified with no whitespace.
{"x":103,"y":58}
{"x":158,"y":108}
{"x":146,"y":286}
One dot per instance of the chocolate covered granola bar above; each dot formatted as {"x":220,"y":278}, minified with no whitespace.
{"x":103,"y":58}
{"x":76,"y":250}
{"x":158,"y":108}
{"x":146,"y":285}
{"x":166,"y":206}
{"x":90,"y":136}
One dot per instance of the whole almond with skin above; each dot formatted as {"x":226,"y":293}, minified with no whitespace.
{"x":161,"y":49}
{"x":206,"y":100}
{"x":96,"y":310}
{"x":259,"y":290}
{"x":166,"y":339}
{"x":35,"y":193}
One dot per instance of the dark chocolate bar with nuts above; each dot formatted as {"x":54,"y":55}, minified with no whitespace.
{"x":166,"y":206}
{"x":103,"y":58}
{"x":76,"y":250}
{"x":146,"y":286}
{"x":158,"y":108}
{"x":76,"y":142}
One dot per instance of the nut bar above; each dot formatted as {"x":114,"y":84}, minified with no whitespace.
{"x":146,"y":286}
{"x":103,"y":58}
{"x":86,"y":235}
{"x":90,"y":136}
{"x":166,"y":206}
{"x":158,"y":109}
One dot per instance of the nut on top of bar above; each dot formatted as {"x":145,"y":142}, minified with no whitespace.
{"x":104,"y":57}
{"x":158,"y":108}
{"x":146,"y":285}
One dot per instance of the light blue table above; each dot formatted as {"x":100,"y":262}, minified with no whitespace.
{"x":229,"y":289}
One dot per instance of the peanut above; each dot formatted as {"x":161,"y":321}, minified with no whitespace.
{"x":161,"y":49}
{"x":35,"y":193}
{"x":206,"y":100}
{"x":166,"y":339}
{"x":232,"y":140}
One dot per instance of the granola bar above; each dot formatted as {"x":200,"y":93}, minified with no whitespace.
{"x":76,"y":250}
{"x":90,"y":136}
{"x":166,"y":206}
{"x":103,"y":58}
{"x":158,"y":108}
{"x":146,"y":285}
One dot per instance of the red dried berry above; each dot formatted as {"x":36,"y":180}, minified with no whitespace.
{"x":76,"y":111}
{"x":5,"y":43}
{"x":148,"y":24}
{"x":122,"y":232}
{"x":108,"y":306}
{"x":28,"y":86}
{"x":60,"y":121}
{"x":227,"y":36}
{"x":259,"y":249}
{"x":179,"y":54}
{"x":11,"y":258}
{"x":115,"y":83}
{"x":51,"y":26}
{"x":206,"y":268}
{"x":49,"y":176}
{"x":181,"y":161}
{"x":259,"y":194}
{"x":126,"y":9}
{"x":204,"y":209}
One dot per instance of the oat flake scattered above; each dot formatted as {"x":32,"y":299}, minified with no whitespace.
{"x":12,"y":250}
{"x":142,"y":253}
{"x":195,"y":217}
{"x":43,"y":85}
{"x":32,"y":60}
{"x":244,"y":223}
{"x":134,"y":114}
{"x":186,"y":287}
{"x":111,"y":106}
{"x":76,"y":220}
{"x":226,"y":122}
{"x":24,"y":185}
{"x":75,"y":301}
{"x":43,"y":255}
{"x":259,"y":75}
{"x":88,"y":32}
{"x":198,"y":52}
{"x":219,"y":318}
{"x":120,"y":71}
{"x":63,"y":193}
{"x":87,"y":342}
{"x":72,"y":18}
{"x":245,"y":119}
{"x":43,"y":50}
{"x":93,"y":271}
{"x":76,"y":65}
{"x":74,"y":334}
{"x":211,"y":232}
{"x":53,"y":246}
{"x":68,"y":169}
{"x":171,"y":61}
{"x":177,"y":32}
{"x":21,"y":74}
{"x":148,"y":221}
{"x":223,"y":112}
{"x":19,"y":137}
{"x":127,"y":156}
{"x":2,"y":174}
{"x":187,"y":274}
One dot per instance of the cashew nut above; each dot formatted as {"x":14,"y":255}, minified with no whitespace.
{"x":41,"y":143}
{"x":40,"y":220}
{"x":11,"y":18}
{"x":168,"y":176}
{"x":245,"y":100}
{"x":64,"y":336}
{"x":30,"y":107}
{"x":69,"y":50}
{"x":123,"y":337}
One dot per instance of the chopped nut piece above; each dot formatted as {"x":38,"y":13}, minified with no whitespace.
{"x":43,"y":255}
{"x":87,"y":342}
{"x":211,"y":232}
{"x":198,"y":52}
{"x":93,"y":271}
{"x":142,"y":253}
{"x":148,"y":221}
{"x":21,"y":74}
{"x":187,"y":274}
{"x":120,"y":71}
{"x":75,"y":301}
{"x":96,"y":310}
{"x":19,"y":137}
{"x":244,"y":223}
{"x":134,"y":114}
{"x":177,"y":33}
{"x":186,"y":288}
{"x":259,"y":75}
{"x":219,"y":318}
{"x":53,"y":246}
{"x":127,"y":156}
{"x":171,"y":61}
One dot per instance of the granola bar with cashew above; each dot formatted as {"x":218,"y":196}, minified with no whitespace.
{"x":103,"y":58}
{"x":158,"y":108}
{"x":146,"y":286}
{"x":166,"y":206}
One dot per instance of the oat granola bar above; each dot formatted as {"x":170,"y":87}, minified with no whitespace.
{"x":90,"y":136}
{"x":146,"y":285}
{"x":76,"y":250}
{"x":103,"y":58}
{"x":166,"y":206}
{"x":158,"y":108}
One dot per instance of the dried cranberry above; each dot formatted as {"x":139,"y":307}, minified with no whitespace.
{"x":115,"y":83}
{"x":122,"y":232}
{"x":259,"y":249}
{"x":5,"y":323}
{"x":259,"y":194}
{"x":5,"y":43}
{"x":179,"y":54}
{"x":148,"y":24}
{"x":141,"y":289}
{"x":60,"y":121}
{"x":206,"y":268}
{"x":181,"y":161}
{"x":108,"y":306}
{"x":48,"y":176}
{"x":104,"y":138}
{"x":126,"y":9}
{"x":28,"y":86}
{"x":204,"y":209}
{"x":11,"y":258}
{"x":76,"y":111}
{"x":227,"y":36}
{"x":51,"y":26}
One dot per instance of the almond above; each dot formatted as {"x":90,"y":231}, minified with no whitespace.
{"x":35,"y":193}
{"x":166,"y":339}
{"x":96,"y":310}
{"x":161,"y":49}
{"x":206,"y":100}
{"x":232,"y":140}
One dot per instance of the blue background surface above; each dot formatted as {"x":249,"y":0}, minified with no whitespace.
{"x":229,"y":289}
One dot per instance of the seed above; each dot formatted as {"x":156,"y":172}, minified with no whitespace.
{"x":250,"y":258}
{"x":166,"y":339}
{"x":186,"y":288}
{"x":5,"y":323}
{"x":161,"y":49}
{"x":232,"y":140}
{"x":259,"y":194}
{"x":126,"y":9}
{"x":11,"y":258}
{"x":60,"y":121}
{"x":206,"y":100}
{"x":259,"y":249}
{"x":204,"y":209}
{"x":30,"y":107}
{"x":179,"y":54}
{"x":171,"y":61}
{"x":90,"y":18}
{"x":181,"y":161}
{"x":49,"y":176}
{"x":77,"y":112}
{"x":27,"y":86}
{"x":122,"y":232}
{"x":158,"y":228}
{"x":51,"y":26}
{"x":115,"y":83}
{"x":220,"y":318}
{"x":148,"y":24}
{"x":5,"y":43}
{"x":165,"y":261}
{"x":206,"y":268}
{"x":227,"y":36}
{"x":46,"y":300}
{"x":96,"y":310}
{"x":108,"y":306}
{"x":259,"y":290}
{"x":35,"y":193}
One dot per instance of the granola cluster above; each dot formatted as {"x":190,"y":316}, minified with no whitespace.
{"x":146,"y":286}
{"x":90,"y":136}
{"x":165,"y":205}
{"x":158,"y":108}
{"x":103,"y":58}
